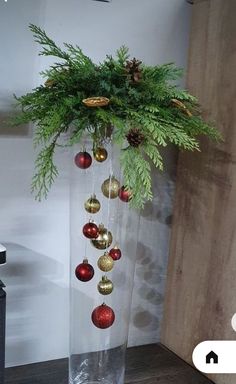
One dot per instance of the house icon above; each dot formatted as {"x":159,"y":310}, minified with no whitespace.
{"x":212,"y":357}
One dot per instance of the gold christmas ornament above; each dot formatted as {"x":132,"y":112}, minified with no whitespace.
{"x":104,"y":238}
{"x":182,"y":106}
{"x":110,"y":187}
{"x":96,"y":101}
{"x":105,"y":262}
{"x":100,"y":154}
{"x":105,"y":286}
{"x":92,"y":205}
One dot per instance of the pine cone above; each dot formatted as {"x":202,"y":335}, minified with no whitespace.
{"x":133,"y":70}
{"x":49,"y":83}
{"x":135,"y":137}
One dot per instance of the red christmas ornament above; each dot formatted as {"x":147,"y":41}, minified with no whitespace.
{"x":90,"y":230}
{"x":124,"y":195}
{"x":115,"y":253}
{"x":84,"y":271}
{"x":103,"y":316}
{"x":83,"y":160}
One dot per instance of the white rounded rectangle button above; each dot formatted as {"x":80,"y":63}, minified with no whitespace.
{"x":218,"y":356}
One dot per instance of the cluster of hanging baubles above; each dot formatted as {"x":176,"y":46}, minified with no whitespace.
{"x":100,"y":237}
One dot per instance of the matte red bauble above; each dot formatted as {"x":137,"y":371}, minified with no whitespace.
{"x":124,"y":195}
{"x":83,"y":160}
{"x":115,"y":253}
{"x":90,"y":230}
{"x":103,"y":316}
{"x":84,"y":271}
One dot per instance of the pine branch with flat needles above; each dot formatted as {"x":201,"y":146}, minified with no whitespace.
{"x":49,"y":46}
{"x":46,"y":172}
{"x":148,"y":105}
{"x":122,"y":55}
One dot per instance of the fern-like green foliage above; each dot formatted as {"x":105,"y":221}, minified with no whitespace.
{"x":160,"y":110}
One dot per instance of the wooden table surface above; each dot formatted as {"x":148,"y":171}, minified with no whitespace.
{"x":148,"y":364}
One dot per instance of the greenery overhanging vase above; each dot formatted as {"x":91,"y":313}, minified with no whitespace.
{"x":139,"y":105}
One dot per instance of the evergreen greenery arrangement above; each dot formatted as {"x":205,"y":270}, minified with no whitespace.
{"x":143,"y":111}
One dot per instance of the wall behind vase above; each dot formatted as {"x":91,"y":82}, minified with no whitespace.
{"x":37,"y":235}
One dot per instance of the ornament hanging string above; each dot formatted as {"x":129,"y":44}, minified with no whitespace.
{"x":119,"y":216}
{"x":109,"y":199}
{"x":93,"y":180}
{"x":86,"y":143}
{"x":86,"y":218}
{"x":93,"y":176}
{"x":110,"y":184}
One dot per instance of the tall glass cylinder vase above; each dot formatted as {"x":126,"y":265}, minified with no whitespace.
{"x":100,"y":303}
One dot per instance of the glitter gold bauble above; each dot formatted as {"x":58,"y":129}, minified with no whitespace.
{"x":99,"y":101}
{"x":104,"y":238}
{"x":105,"y":286}
{"x":105,"y":262}
{"x":92,"y":205}
{"x":100,"y":154}
{"x":110,"y":187}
